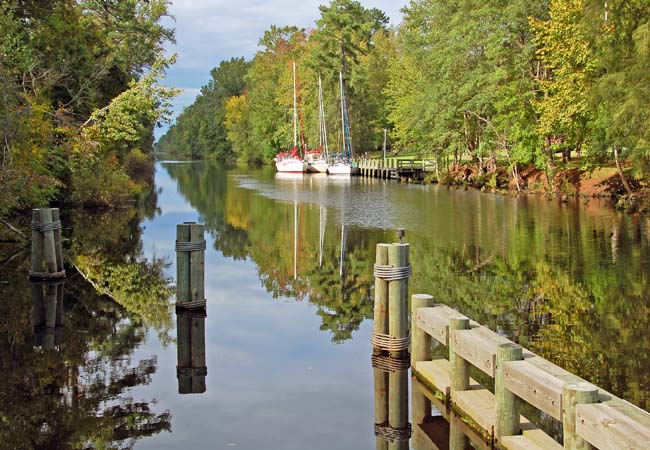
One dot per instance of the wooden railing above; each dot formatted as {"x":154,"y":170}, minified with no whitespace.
{"x":590,"y":416}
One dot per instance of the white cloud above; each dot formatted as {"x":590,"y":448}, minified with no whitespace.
{"x":209,"y":31}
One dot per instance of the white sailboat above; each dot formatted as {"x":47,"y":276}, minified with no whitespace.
{"x":317,"y":159}
{"x":341,"y":163}
{"x":291,"y":161}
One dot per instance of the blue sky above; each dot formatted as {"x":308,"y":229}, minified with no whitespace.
{"x":209,"y":31}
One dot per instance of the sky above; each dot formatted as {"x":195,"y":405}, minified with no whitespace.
{"x":209,"y":31}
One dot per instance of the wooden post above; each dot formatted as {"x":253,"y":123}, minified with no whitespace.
{"x":420,"y":341}
{"x":458,"y":440}
{"x":183,"y":352}
{"x":38,"y":313}
{"x":183,"y":294}
{"x":49,"y":305}
{"x":398,"y":407}
{"x":49,"y":247}
{"x":507,"y":403}
{"x":380,"y":326}
{"x":37,"y":243}
{"x":380,"y":312}
{"x":198,"y":353}
{"x":398,"y":256}
{"x":197,"y":264}
{"x":57,"y":240}
{"x":420,"y":412}
{"x":458,"y":367}
{"x":574,"y":394}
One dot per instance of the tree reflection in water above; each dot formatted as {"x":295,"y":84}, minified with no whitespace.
{"x":66,"y":352}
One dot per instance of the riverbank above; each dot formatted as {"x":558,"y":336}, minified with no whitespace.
{"x":572,"y":182}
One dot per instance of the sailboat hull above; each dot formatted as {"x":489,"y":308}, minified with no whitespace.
{"x":340,"y":169}
{"x":290,"y":165}
{"x":318,"y":166}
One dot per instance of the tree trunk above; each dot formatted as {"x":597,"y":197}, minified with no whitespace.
{"x":626,"y":185}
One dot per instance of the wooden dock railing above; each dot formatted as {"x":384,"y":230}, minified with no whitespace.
{"x":591,"y":417}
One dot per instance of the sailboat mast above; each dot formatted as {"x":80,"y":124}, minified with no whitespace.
{"x":342,"y":111}
{"x":323,"y":126}
{"x":295,"y":109}
{"x":320,"y":114}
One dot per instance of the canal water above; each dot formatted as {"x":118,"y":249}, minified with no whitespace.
{"x":289,"y":288}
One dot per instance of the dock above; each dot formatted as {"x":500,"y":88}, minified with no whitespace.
{"x":394,"y":168}
{"x":515,"y":381}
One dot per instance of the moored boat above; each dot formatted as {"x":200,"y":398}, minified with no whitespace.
{"x":291,"y":161}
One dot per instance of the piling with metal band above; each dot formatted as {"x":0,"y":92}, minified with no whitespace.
{"x":507,"y":403}
{"x":574,"y":394}
{"x":46,"y":253}
{"x":191,"y":368}
{"x":190,"y":266}
{"x":56,"y":218}
{"x":47,"y":313}
{"x":380,"y":327}
{"x":458,"y":367}
{"x":398,"y":258}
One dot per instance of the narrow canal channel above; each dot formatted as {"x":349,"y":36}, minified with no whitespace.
{"x":289,"y":286}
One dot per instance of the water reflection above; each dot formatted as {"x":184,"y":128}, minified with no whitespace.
{"x":68,"y":350}
{"x":47,"y":313}
{"x":191,"y":369}
{"x":551,"y":276}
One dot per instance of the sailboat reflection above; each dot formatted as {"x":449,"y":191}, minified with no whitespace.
{"x":47,"y":313}
{"x":191,"y":369}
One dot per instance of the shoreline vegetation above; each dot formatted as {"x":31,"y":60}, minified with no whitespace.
{"x":545,"y":96}
{"x":80,"y":97}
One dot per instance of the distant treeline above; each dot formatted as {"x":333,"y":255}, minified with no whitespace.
{"x":78,"y":99}
{"x":509,"y":83}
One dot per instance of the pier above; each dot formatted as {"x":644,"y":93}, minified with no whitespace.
{"x":394,"y":168}
{"x":513,"y":381}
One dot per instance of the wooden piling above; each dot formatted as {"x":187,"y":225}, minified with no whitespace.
{"x":183,"y":294}
{"x":183,"y":352}
{"x":46,"y":252}
{"x":458,"y":367}
{"x":507,"y":403}
{"x":197,"y":359}
{"x":574,"y":394}
{"x":37,"y":244}
{"x":398,"y":409}
{"x":197,"y":264}
{"x":380,"y":312}
{"x":57,"y":240}
{"x":380,"y":326}
{"x":398,"y":256}
{"x":420,"y":340}
{"x":49,"y":246}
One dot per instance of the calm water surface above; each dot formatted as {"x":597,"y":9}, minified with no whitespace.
{"x":289,"y":292}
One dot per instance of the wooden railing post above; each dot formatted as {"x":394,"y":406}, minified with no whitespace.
{"x":574,"y":394}
{"x":420,"y":341}
{"x":458,"y":367}
{"x":507,"y":403}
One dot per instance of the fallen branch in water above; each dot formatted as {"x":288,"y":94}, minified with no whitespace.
{"x":93,"y":284}
{"x":14,"y":229}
